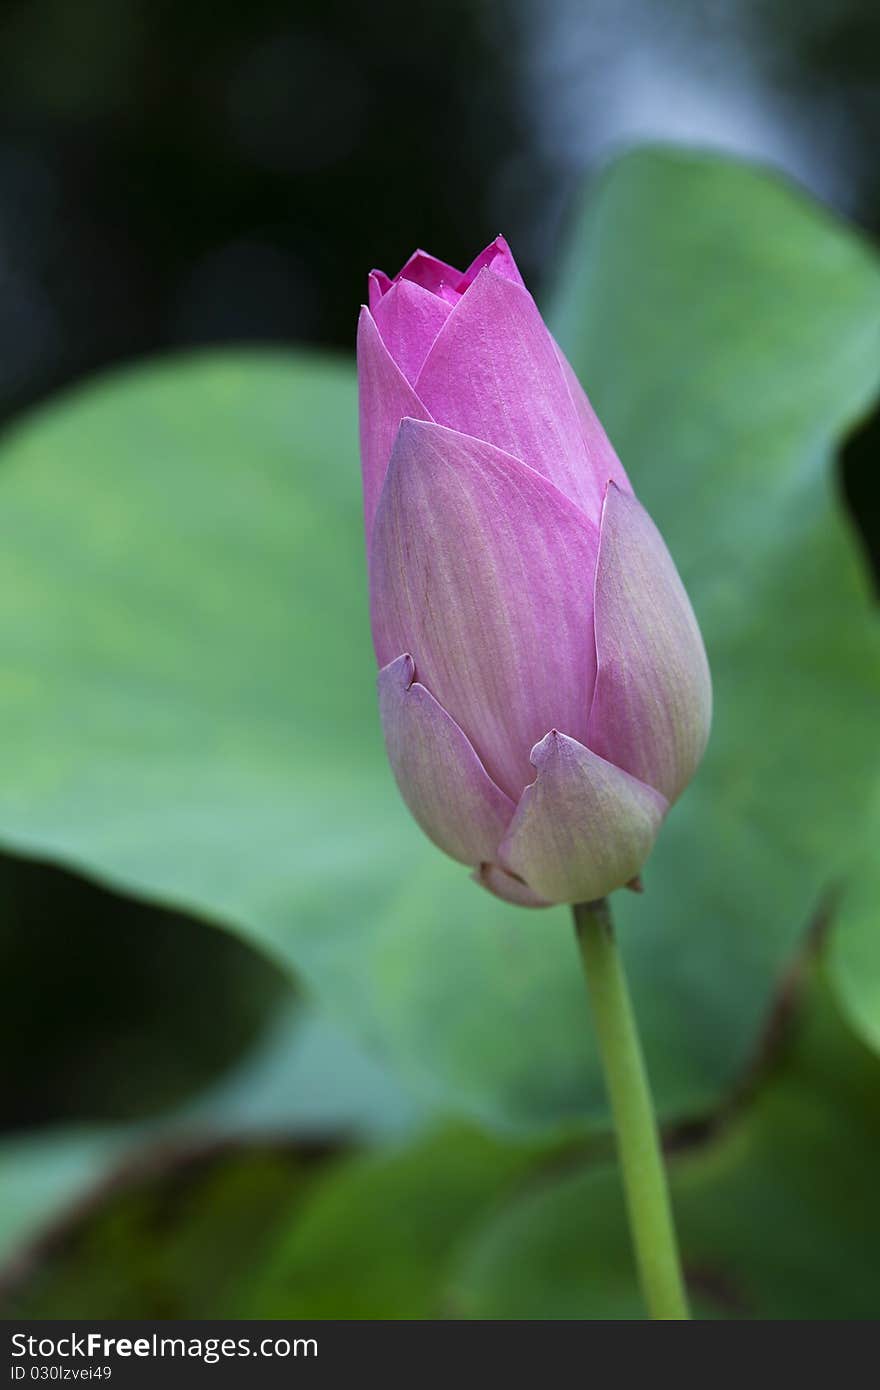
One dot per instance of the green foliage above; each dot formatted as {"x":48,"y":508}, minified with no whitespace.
{"x":855,"y":954}
{"x":776,"y":1212}
{"x":381,"y":1233}
{"x":278,"y":1232}
{"x":775,"y":1209}
{"x":179,"y":1245}
{"x":114,"y":1010}
{"x":305,"y":1076}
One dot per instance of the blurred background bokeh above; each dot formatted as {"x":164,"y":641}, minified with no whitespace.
{"x":180,"y":174}
{"x":176,"y":175}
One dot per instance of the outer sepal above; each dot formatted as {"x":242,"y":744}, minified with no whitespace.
{"x":583,"y":827}
{"x":440,"y":777}
{"x":652,"y":705}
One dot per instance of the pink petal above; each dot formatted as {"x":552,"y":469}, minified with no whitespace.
{"x":499,"y":258}
{"x":507,"y":886}
{"x":436,"y":276}
{"x":385,"y":396}
{"x":484,"y":571}
{"x":440,"y":777}
{"x":377,"y":285}
{"x":493,"y":373}
{"x":409,"y":318}
{"x":604,"y":465}
{"x":653,"y":702}
{"x":583,"y":828}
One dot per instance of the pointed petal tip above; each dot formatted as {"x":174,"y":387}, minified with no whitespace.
{"x":368,"y":337}
{"x":411,"y":424}
{"x":432,"y":274}
{"x":500,"y":244}
{"x":411,"y":432}
{"x":402,"y":669}
{"x":378,"y":285}
{"x":546,"y":748}
{"x":610,"y":488}
{"x":414,"y":432}
{"x":498,"y":258}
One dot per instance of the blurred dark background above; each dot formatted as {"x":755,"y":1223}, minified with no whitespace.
{"x":175,"y":174}
{"x":182,"y":174}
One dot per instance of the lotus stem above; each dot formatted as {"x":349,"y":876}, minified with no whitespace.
{"x":638,"y":1140}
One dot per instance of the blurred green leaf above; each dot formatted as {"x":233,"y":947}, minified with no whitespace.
{"x":309,"y":1078}
{"x":855,"y":943}
{"x":305,"y":1078}
{"x":775,"y":1209}
{"x":380,"y":1234}
{"x":166,"y":1244}
{"x":777,"y":1214}
{"x":113,"y":1009}
{"x":187,"y":702}
{"x":281,"y":1231}
{"x":42,"y":1174}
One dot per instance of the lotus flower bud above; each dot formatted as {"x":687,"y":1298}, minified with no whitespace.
{"x":544,"y":690}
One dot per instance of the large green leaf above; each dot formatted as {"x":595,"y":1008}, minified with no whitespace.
{"x":305,"y":1079}
{"x":44,"y":1173}
{"x":777,"y":1213}
{"x":276,"y":1231}
{"x":168,"y":1244}
{"x":187,"y":703}
{"x":380,"y":1236}
{"x":855,"y":943}
{"x":139,"y":1009}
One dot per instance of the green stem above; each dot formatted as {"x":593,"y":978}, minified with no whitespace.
{"x":638,"y":1142}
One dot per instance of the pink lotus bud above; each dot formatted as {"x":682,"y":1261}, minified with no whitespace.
{"x":544,"y":689}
